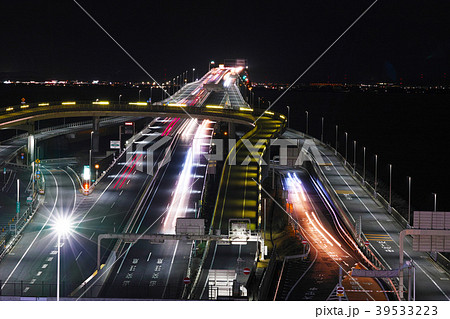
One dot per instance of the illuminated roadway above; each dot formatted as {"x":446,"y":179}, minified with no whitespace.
{"x":378,"y":227}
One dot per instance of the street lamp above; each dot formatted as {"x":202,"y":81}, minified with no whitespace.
{"x":140,"y":95}
{"x":434,"y":194}
{"x":390,"y":187}
{"x":289,"y":117}
{"x":210,"y":63}
{"x":321,"y":134}
{"x":376,"y":168}
{"x":120,"y":95}
{"x":193,"y":74}
{"x":336,"y":148}
{"x":409,"y":200}
{"x":354,"y":157}
{"x":90,"y":160}
{"x":63,"y":227}
{"x":307,"y":120}
{"x":364,"y":164}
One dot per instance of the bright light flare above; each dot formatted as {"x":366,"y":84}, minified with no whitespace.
{"x":63,"y":226}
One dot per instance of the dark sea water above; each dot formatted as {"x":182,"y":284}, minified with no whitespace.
{"x":410,"y":131}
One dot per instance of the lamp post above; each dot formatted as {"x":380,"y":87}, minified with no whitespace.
{"x":390,"y":188}
{"x":62,"y":227}
{"x":193,"y":74}
{"x":307,"y":120}
{"x":364,"y":164}
{"x":90,"y":160}
{"x":336,"y":148}
{"x":140,"y":95}
{"x":288,"y":108}
{"x":120,"y":96}
{"x":434,"y":194}
{"x":409,"y":200}
{"x":321,"y":134}
{"x":210,"y":63}
{"x":376,"y":168}
{"x":354,"y":157}
{"x":346,"y":138}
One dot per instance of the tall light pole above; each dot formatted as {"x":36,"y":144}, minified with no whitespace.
{"x":140,"y":95}
{"x":321,"y":134}
{"x":390,"y":188}
{"x":434,"y":194}
{"x":289,"y":117}
{"x":18,"y":203}
{"x":354,"y":157}
{"x":151,"y":93}
{"x":210,"y":63}
{"x":120,"y":96}
{"x":336,"y":148}
{"x":63,"y":227}
{"x":193,"y":74}
{"x":364,"y":164}
{"x":346,"y":138}
{"x":90,"y":160}
{"x":307,"y":120}
{"x":376,"y":169}
{"x":409,"y":200}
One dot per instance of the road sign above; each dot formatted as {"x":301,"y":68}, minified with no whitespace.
{"x":37,"y":161}
{"x":246,"y":271}
{"x":366,"y":243}
{"x":17,"y":207}
{"x":304,"y":241}
{"x":340,"y":291}
{"x":114,"y":145}
{"x":29,"y":199}
{"x":187,"y":280}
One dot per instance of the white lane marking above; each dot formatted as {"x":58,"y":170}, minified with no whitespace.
{"x":170,"y":269}
{"x":49,"y":258}
{"x":121,"y":192}
{"x":135,"y":260}
{"x":103,"y":218}
{"x":160,"y":261}
{"x":92,"y":236}
{"x":37,"y":235}
{"x":128,"y":182}
{"x":44,"y":266}
{"x":78,"y":255}
{"x":39,"y":273}
{"x":149,"y":255}
{"x":113,"y":204}
{"x":26,"y":289}
{"x":32,"y":281}
{"x":53,"y":252}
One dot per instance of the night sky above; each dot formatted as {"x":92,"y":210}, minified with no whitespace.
{"x":395,"y":41}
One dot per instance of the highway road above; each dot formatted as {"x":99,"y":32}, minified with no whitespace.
{"x":380,"y":228}
{"x":156,"y":271}
{"x":331,"y":246}
{"x":106,"y":210}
